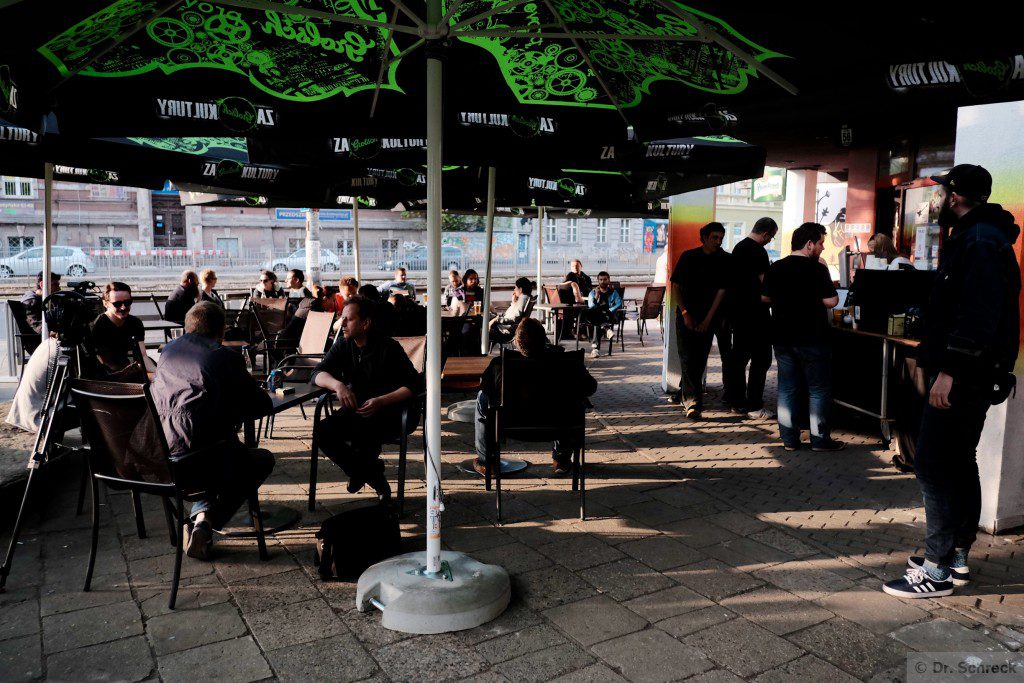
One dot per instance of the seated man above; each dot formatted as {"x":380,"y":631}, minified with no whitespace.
{"x":400,"y":285}
{"x":579,"y":281}
{"x":372,"y":378}
{"x":603,"y":304}
{"x":202,"y":392}
{"x":531,"y":341}
{"x":33,"y":301}
{"x":115,"y":334}
{"x":182,"y":298}
{"x":296,"y":288}
{"x":503,"y":326}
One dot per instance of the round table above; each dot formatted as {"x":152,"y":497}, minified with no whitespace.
{"x":465,"y":411}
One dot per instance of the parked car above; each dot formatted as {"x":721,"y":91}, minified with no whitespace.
{"x":329,"y":261}
{"x":416,"y":259}
{"x":71,"y":261}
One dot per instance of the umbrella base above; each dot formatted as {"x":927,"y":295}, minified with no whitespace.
{"x":465,"y":594}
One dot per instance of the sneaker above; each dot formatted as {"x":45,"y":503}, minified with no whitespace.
{"x":609,"y":333}
{"x":830,"y":446}
{"x":559,"y":469}
{"x":199,"y":541}
{"x":479,"y":467}
{"x":382,"y":488}
{"x":791,"y":446}
{"x":356,"y":484}
{"x":960,"y":572}
{"x":595,"y":353}
{"x":919,"y":584}
{"x":693,"y":413}
{"x":736,"y":410}
{"x":762,"y":414}
{"x":675,"y":397}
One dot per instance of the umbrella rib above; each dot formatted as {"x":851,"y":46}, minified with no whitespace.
{"x":316,"y":14}
{"x":507,"y":7}
{"x":716,"y":37}
{"x":383,"y":65}
{"x":451,"y":12}
{"x":138,"y":26}
{"x":590,"y":64}
{"x":420,"y":24}
{"x":403,"y":53}
{"x":511,"y":33}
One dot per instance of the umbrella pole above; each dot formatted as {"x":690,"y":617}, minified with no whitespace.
{"x":540,"y":253}
{"x":313,"y":246}
{"x":485,"y":332}
{"x":47,"y":236}
{"x":355,"y":239}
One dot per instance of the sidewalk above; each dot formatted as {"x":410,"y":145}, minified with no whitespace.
{"x":710,"y":554}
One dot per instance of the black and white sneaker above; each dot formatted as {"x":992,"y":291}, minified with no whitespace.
{"x":918,"y":584}
{"x":961,"y":576}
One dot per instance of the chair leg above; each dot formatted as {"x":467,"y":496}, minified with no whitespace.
{"x":171,"y":525}
{"x":313,"y":454}
{"x":95,"y":530}
{"x":257,"y":524}
{"x":622,"y":336}
{"x":140,"y":521}
{"x":177,"y":554}
{"x":302,"y":409}
{"x":583,"y":483}
{"x":83,"y":482}
{"x":403,"y":450}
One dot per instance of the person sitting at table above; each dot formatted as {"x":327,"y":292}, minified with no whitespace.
{"x":880,"y":245}
{"x":603,"y":303}
{"x":202,"y":393}
{"x":347,"y":288}
{"x":268,"y":287}
{"x":208,"y":280}
{"x":400,"y":284}
{"x":182,"y":298}
{"x":115,"y":333}
{"x":472,"y":292}
{"x":33,"y":301}
{"x":454,"y":292}
{"x":503,"y":326}
{"x":531,"y":341}
{"x":296,"y":290}
{"x":579,"y":281}
{"x":371,"y":378}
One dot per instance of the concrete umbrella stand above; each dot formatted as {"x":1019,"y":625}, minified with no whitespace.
{"x":433,"y":591}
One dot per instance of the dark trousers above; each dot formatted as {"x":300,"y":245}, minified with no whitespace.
{"x":228,"y":478}
{"x":947,"y":470}
{"x":750,"y":344}
{"x":694,"y":349}
{"x":561,"y":449}
{"x":354,"y":442}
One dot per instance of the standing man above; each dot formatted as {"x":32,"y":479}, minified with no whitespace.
{"x":799,"y":288}
{"x":700,"y":278}
{"x":750,"y":320}
{"x":970,"y":345}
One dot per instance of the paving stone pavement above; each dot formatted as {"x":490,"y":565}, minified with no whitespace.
{"x":710,"y":554}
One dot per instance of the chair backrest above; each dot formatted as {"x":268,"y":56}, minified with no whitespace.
{"x":653,"y":298}
{"x":533,"y":391}
{"x":566,"y":295}
{"x":20,"y":315}
{"x":121,"y":426}
{"x":156,"y":304}
{"x":416,"y":349}
{"x":529,"y":307}
{"x":316,"y":332}
{"x":551,"y":292}
{"x":620,"y":289}
{"x":268,"y":316}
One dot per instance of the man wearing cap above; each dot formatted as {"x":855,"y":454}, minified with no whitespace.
{"x":33,"y":301}
{"x":971,"y":337}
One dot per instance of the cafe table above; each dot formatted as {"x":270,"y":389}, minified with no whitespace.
{"x":570,"y":312}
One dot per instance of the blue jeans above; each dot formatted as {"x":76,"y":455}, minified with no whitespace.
{"x":228,"y":478}
{"x":805,"y":379}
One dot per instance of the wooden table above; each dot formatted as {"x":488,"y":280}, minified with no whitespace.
{"x":551,"y":313}
{"x":462,"y":373}
{"x":161,"y":325}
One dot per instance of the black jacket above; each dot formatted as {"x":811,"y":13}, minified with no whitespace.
{"x":179,"y":302}
{"x":972,"y":322}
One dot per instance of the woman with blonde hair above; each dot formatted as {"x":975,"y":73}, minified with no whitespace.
{"x":881,"y":246}
{"x":207,"y":281}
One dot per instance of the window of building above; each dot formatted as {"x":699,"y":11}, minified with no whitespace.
{"x":17,"y":188}
{"x":572,"y":232}
{"x":296,"y":243}
{"x":389,"y":247}
{"x":550,"y":231}
{"x":16,"y":245}
{"x":229,"y":245}
{"x":346,"y":248}
{"x":624,"y":237}
{"x":111,"y":243}
{"x":602,"y":230}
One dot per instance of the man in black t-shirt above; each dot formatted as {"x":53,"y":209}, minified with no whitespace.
{"x":700,"y":278}
{"x":576,"y":276}
{"x":800,"y":290}
{"x":750,"y":320}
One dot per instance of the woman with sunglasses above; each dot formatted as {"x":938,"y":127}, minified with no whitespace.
{"x":268,"y":289}
{"x":116,"y":332}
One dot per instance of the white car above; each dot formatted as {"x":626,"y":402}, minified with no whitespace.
{"x":329,"y":261}
{"x":71,"y":261}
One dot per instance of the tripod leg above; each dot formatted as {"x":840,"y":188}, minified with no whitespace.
{"x":95,"y":532}
{"x":5,"y":570}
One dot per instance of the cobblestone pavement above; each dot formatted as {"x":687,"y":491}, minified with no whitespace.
{"x":710,"y":554}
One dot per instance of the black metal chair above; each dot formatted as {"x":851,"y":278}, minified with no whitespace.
{"x":128,"y":451}
{"x":532,"y":409}
{"x":28,"y":340}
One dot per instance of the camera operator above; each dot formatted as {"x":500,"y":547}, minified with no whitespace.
{"x":33,"y":301}
{"x":115,"y":332}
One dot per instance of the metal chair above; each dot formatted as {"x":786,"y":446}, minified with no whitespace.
{"x":268,"y":321}
{"x":128,"y":451}
{"x":528,"y":312}
{"x":28,"y":340}
{"x":531,"y":410}
{"x":649,"y":309}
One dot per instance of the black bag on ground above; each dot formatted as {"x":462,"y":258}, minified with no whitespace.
{"x":351,"y":541}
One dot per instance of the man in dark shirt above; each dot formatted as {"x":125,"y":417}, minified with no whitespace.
{"x":202,"y":392}
{"x":372,"y":378}
{"x":33,"y":301}
{"x":799,"y":288}
{"x":700,"y":278}
{"x":115,"y":333}
{"x":576,"y":276}
{"x":750,"y":319}
{"x":182,"y":298}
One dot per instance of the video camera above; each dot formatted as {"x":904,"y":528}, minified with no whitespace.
{"x":68,"y":314}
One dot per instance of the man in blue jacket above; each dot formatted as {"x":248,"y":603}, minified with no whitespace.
{"x":970,"y":344}
{"x":603,"y":303}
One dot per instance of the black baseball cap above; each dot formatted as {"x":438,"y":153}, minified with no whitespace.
{"x":968,"y":180}
{"x":53,"y":276}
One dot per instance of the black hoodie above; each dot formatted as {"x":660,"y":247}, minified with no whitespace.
{"x":972,"y":323}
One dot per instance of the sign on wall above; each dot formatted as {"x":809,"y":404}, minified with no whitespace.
{"x":769,"y":188}
{"x":325,"y":214}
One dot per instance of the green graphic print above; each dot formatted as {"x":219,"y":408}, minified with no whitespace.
{"x":289,"y":56}
{"x":198,"y":146}
{"x":554,"y":71}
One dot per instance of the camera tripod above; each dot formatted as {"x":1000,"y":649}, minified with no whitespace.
{"x":56,"y":397}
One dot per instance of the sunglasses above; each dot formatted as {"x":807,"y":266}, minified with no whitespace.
{"x":127,"y":303}
{"x":265,"y":279}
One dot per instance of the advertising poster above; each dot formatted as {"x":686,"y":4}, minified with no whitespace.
{"x":771,"y":187}
{"x":655,"y":235}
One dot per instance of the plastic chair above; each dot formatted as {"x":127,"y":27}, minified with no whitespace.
{"x":649,"y":309}
{"x":128,"y":451}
